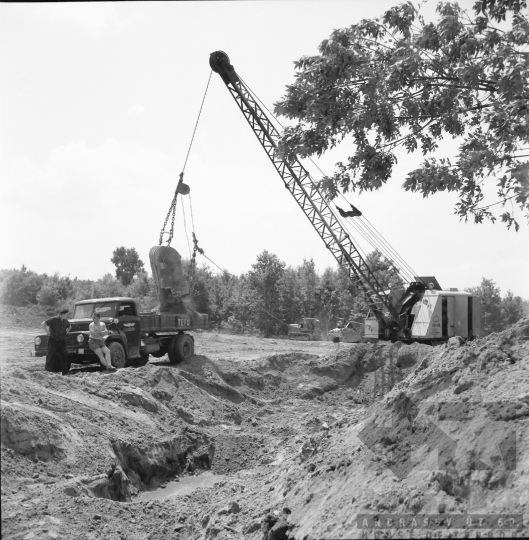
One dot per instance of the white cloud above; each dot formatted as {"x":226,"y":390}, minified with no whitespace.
{"x":136,"y":110}
{"x":93,"y":17}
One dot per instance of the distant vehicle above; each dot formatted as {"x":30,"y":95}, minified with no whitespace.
{"x":351,"y":332}
{"x":133,"y":335}
{"x":307,"y":330}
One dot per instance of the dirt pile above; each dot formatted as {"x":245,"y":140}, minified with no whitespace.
{"x":304,"y":439}
{"x":452,"y":437}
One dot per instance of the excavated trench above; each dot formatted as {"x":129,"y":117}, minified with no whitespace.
{"x":153,"y":470}
{"x":230,"y":411}
{"x":141,"y":468}
{"x":148,"y":466}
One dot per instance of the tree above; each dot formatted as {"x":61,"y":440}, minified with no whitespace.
{"x":512,"y":308}
{"x":107,"y":287}
{"x":54,"y":290}
{"x":128,"y":264}
{"x":308,"y":279}
{"x":491,"y":313}
{"x":265,"y":278}
{"x":525,"y":306}
{"x":328,"y":296}
{"x":21,"y":287}
{"x":384,"y":269}
{"x":399,"y":81}
{"x":290,"y":297}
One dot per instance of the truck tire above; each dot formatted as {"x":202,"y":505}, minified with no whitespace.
{"x":117,"y":355}
{"x":181,"y":348}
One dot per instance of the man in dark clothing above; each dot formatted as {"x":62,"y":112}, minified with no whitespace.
{"x":57,"y":328}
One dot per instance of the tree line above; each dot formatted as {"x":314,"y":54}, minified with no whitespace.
{"x":262,"y":301}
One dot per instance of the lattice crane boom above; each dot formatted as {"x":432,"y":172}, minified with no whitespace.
{"x":307,"y":194}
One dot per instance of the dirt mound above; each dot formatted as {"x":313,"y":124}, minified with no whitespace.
{"x":35,"y":433}
{"x":306,"y":438}
{"x":451,"y":437}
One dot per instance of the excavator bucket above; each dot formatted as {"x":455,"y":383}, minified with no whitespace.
{"x":166,"y":265}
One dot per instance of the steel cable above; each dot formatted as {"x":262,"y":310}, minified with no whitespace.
{"x":363,"y":226}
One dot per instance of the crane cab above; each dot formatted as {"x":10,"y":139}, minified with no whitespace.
{"x":441,"y":314}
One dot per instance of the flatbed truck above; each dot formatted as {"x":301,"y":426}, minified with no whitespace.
{"x":133,"y":335}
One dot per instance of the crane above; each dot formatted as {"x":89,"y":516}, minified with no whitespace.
{"x":400,"y":314}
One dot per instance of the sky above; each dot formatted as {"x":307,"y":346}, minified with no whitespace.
{"x":98,"y":102}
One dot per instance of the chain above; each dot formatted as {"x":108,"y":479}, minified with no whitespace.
{"x":171,"y":213}
{"x":193,"y":263}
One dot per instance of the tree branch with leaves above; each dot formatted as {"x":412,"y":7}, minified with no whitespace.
{"x":399,"y":81}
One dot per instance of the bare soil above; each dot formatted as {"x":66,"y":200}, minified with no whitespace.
{"x":306,"y":439}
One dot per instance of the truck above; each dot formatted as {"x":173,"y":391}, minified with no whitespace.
{"x":133,"y":335}
{"x":421,"y":310}
{"x":351,"y":333}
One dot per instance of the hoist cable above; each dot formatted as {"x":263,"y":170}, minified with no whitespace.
{"x":213,"y":262}
{"x":397,"y":255}
{"x":309,"y":158}
{"x":366,"y":230}
{"x":185,"y":228}
{"x":380,"y":243}
{"x":386,"y":248}
{"x":198,"y":118}
{"x":172,"y":208}
{"x":257,"y":99}
{"x":310,"y":176}
{"x":191,"y":208}
{"x":367,"y":235}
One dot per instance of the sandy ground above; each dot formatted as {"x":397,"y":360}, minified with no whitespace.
{"x":305,"y":441}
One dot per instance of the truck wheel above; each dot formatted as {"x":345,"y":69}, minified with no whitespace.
{"x":182,"y":348}
{"x":117,"y":355}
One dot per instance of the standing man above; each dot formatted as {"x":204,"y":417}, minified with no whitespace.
{"x":337,"y":336}
{"x":57,"y":328}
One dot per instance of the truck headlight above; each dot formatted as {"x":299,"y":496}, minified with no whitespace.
{"x":38,"y":341}
{"x":80,"y":338}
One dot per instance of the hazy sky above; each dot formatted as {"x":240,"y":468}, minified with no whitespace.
{"x":98,"y":103}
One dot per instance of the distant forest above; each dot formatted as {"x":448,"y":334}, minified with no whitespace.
{"x":261,"y":301}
